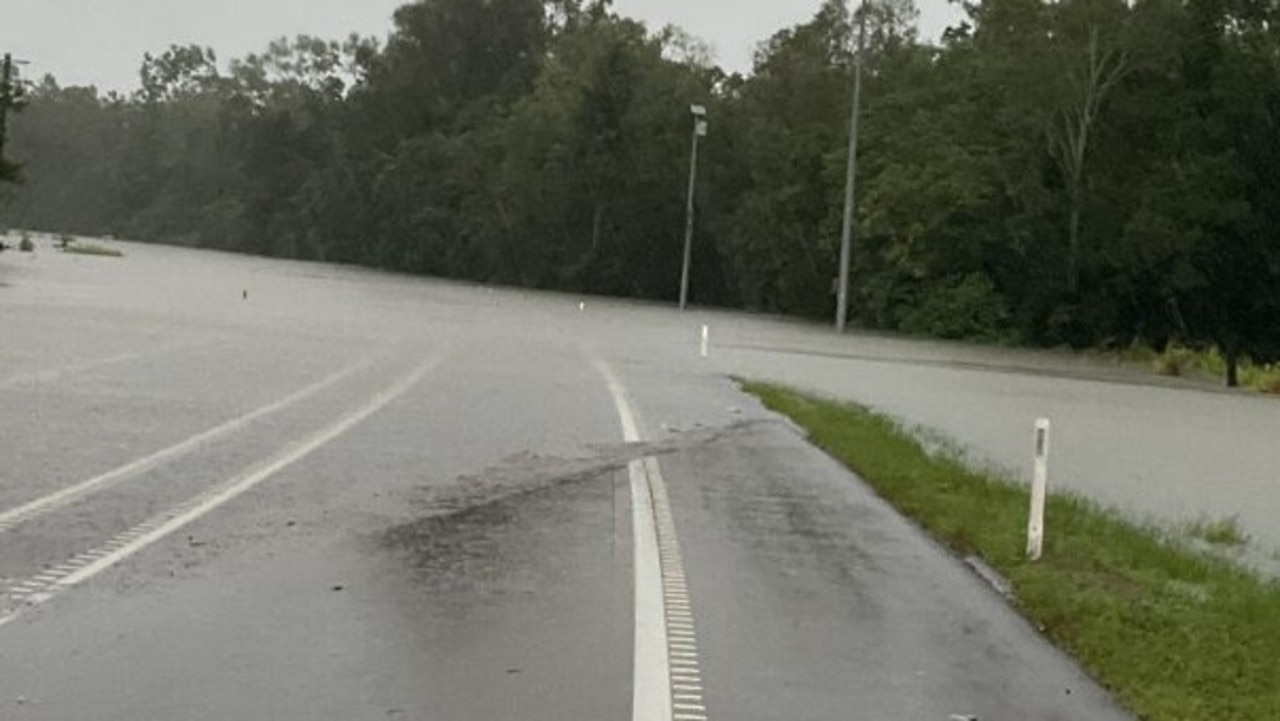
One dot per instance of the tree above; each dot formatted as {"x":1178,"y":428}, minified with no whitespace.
{"x":10,"y":102}
{"x":1090,"y":172}
{"x":1090,"y":81}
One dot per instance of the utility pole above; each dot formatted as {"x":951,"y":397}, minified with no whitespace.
{"x":699,"y":131}
{"x":851,"y":178}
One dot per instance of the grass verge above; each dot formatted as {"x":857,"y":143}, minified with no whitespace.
{"x":92,"y":249}
{"x":1219,"y":532}
{"x":1180,"y":361}
{"x":1175,"y":634}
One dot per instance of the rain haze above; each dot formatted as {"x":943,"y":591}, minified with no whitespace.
{"x":506,"y":364}
{"x":90,"y":42}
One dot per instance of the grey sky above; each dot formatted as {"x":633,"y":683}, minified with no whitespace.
{"x":101,"y":42}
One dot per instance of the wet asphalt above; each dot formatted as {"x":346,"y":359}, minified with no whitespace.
{"x":465,"y":552}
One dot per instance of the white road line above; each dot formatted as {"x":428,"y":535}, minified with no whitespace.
{"x":651,"y":691}
{"x":202,"y":505}
{"x":662,"y":661}
{"x":41,"y":506}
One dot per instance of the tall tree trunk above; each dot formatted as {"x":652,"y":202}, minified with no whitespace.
{"x":1233,"y":364}
{"x":1073,"y":261}
{"x":1072,"y":128}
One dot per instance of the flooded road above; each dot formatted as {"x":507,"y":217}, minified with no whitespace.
{"x":242,"y":488}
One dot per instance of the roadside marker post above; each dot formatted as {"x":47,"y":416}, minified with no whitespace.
{"x":706,"y":342}
{"x":1039,"y":489}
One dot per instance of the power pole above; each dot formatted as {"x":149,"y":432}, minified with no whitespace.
{"x":851,"y":178}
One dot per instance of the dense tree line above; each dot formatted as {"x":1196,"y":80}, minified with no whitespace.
{"x":1080,"y":171}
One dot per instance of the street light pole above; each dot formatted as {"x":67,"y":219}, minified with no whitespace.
{"x":851,"y":178}
{"x":699,"y":131}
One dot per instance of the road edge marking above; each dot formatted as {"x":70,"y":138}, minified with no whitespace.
{"x":34,"y":509}
{"x":90,"y":563}
{"x":667,"y":684}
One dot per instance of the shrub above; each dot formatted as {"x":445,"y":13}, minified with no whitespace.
{"x":1139,"y":351}
{"x":1215,"y":364}
{"x":970,"y":309}
{"x":1176,"y":360}
{"x":26,"y":245}
{"x":1265,"y":378}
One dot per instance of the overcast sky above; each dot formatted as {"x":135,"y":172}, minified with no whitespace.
{"x":101,"y":42}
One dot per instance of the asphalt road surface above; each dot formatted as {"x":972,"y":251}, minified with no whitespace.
{"x":235,"y":488}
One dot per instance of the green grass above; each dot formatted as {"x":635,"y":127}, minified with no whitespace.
{"x":1219,"y":532}
{"x":1265,"y":378}
{"x":92,"y":249}
{"x":1208,"y":363}
{"x":1175,"y":634}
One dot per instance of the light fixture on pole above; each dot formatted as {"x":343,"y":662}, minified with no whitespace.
{"x":699,"y":131}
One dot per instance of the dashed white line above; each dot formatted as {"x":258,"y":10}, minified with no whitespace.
{"x":34,"y":509}
{"x":90,"y":563}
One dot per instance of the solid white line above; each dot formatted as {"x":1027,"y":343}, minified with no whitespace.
{"x":248,"y":480}
{"x":651,"y":688}
{"x":677,"y":695}
{"x":53,"y":501}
